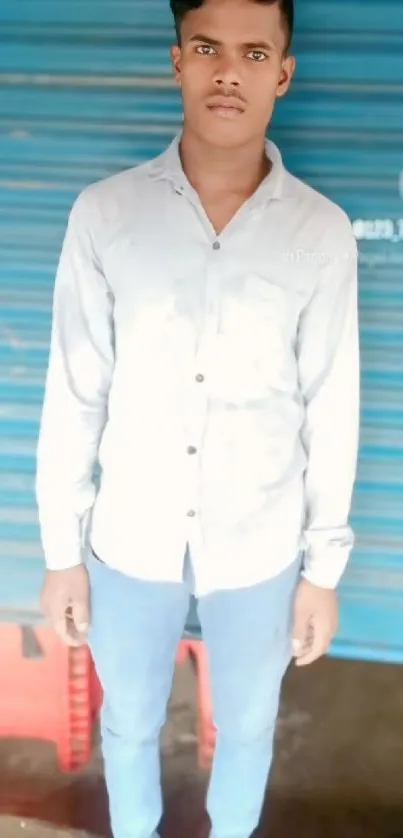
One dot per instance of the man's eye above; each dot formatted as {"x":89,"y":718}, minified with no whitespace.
{"x":205,"y":49}
{"x":257,"y":55}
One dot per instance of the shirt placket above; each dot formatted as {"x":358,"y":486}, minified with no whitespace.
{"x":198,"y":401}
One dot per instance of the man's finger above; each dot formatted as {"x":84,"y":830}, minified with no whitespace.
{"x":300,"y":634}
{"x":297,"y":647}
{"x":315,"y":649}
{"x":61,"y":627}
{"x":80,"y":615}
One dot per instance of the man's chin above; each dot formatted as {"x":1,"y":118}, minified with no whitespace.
{"x":225,"y":135}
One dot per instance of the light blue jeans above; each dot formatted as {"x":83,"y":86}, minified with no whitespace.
{"x":135,"y":630}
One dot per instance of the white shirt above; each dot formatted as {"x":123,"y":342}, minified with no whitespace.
{"x":214,"y":378}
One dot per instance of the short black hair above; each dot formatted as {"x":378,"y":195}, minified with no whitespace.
{"x":180,"y":8}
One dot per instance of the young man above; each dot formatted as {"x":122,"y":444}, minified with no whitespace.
{"x":204,"y":350}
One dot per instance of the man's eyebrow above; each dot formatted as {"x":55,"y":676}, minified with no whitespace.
{"x":213,"y":42}
{"x":267,"y":45}
{"x":206,"y":40}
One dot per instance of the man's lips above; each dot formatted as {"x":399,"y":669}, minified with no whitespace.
{"x":226,"y":105}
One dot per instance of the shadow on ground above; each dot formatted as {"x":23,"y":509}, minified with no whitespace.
{"x":337,"y":772}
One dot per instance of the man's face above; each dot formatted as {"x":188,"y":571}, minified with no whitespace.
{"x":231,"y":67}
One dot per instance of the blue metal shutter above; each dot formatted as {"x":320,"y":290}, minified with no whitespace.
{"x":86,"y":90}
{"x":342,"y":131}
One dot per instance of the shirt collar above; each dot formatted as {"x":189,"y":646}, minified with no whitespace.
{"x":168,"y":166}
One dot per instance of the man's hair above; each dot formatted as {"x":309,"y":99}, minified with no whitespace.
{"x":180,"y":8}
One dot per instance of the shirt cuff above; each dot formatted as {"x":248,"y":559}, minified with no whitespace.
{"x":326,"y":555}
{"x":61,"y":554}
{"x":63,"y":539}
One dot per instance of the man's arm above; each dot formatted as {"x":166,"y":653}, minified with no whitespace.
{"x":329,"y":373}
{"x":329,"y":370}
{"x":76,"y":396}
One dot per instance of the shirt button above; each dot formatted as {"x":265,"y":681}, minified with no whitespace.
{"x":191,"y":449}
{"x":199,"y":378}
{"x":216,"y":245}
{"x":191,"y":513}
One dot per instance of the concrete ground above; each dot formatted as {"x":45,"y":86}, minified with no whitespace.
{"x":338,"y":770}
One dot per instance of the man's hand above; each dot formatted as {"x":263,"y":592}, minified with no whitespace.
{"x":315,"y":622}
{"x":65,"y":601}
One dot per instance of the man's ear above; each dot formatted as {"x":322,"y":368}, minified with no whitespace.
{"x":287,"y":72}
{"x":176,"y":63}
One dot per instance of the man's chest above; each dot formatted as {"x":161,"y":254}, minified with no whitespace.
{"x":247,"y":282}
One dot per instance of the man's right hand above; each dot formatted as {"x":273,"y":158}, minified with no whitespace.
{"x":65,"y":601}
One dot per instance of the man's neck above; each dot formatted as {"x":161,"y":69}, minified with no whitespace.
{"x":221,"y":170}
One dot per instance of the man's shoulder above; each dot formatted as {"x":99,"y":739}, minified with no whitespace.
{"x":326,"y":217}
{"x":113,"y":195}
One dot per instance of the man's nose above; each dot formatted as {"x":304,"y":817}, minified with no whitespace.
{"x":227,"y":73}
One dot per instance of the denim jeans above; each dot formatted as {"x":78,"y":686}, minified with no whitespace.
{"x":135,"y":630}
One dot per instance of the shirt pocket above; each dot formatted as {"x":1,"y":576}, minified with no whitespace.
{"x":255,"y":338}
{"x":259,"y":308}
{"x":263,"y":300}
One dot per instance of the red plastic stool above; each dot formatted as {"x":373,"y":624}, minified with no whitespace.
{"x":45,"y":692}
{"x":206,"y":729}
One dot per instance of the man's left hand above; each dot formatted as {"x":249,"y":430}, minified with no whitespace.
{"x":315,"y":622}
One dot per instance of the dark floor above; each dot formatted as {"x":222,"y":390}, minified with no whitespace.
{"x":338,"y":771}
